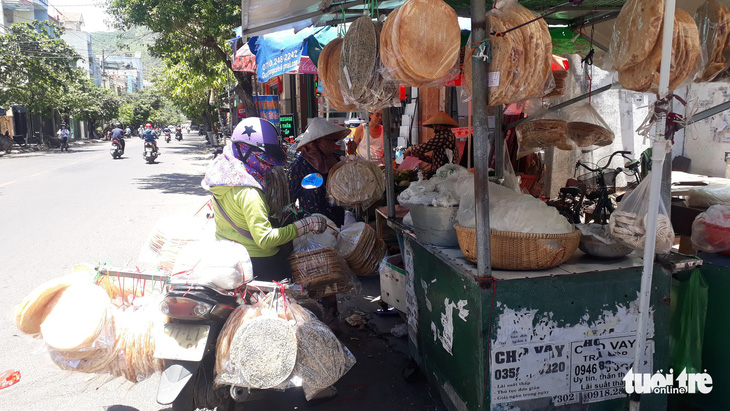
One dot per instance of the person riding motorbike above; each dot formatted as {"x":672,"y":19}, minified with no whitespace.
{"x":250,"y":192}
{"x":128,"y":132}
{"x":178,"y":132}
{"x":150,"y":136}
{"x":63,"y":134}
{"x":118,"y":133}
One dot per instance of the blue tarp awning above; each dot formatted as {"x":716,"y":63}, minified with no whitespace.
{"x":282,"y":52}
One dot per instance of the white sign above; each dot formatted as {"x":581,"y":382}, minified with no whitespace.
{"x":411,"y":302}
{"x":493,"y":79}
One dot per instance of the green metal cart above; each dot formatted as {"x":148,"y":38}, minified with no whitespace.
{"x":555,"y":339}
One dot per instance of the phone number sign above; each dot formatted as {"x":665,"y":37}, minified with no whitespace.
{"x":589,"y":370}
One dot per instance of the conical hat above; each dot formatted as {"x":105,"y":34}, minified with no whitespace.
{"x":440,"y":118}
{"x":319,"y":128}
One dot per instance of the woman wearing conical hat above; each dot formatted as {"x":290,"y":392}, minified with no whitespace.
{"x":442,"y":146}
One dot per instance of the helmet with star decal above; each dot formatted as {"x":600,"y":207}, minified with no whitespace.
{"x":260,"y":134}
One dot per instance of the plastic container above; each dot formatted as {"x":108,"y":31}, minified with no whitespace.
{"x":435,"y":225}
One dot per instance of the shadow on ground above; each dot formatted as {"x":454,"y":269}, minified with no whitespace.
{"x":174,"y":183}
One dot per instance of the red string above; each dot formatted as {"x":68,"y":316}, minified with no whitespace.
{"x":283,"y":296}
{"x":207,"y":203}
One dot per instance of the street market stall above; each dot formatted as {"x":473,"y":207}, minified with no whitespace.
{"x":492,"y":334}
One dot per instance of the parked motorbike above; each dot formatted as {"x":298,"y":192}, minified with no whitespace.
{"x":167,"y":137}
{"x":149,"y":153}
{"x":178,"y":136}
{"x":197,"y":313}
{"x":116,"y":151}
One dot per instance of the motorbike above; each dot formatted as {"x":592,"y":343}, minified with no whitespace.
{"x":116,"y":151}
{"x":187,"y":345}
{"x":167,"y":137}
{"x":178,"y":136}
{"x":149,"y":153}
{"x":64,"y":144}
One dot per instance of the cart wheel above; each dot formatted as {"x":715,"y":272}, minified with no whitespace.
{"x":411,"y":372}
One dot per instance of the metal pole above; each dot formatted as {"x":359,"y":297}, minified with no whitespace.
{"x":388,"y":158}
{"x":658,"y":154}
{"x":481,"y":140}
{"x":499,"y":142}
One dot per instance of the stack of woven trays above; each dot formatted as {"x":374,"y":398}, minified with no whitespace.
{"x":365,"y":255}
{"x":320,"y":271}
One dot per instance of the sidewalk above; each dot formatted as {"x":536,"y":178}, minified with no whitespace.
{"x":32,"y":148}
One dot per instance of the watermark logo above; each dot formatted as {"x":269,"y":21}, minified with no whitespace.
{"x":658,"y":383}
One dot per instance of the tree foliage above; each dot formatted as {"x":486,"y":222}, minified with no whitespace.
{"x":36,"y":66}
{"x":189,"y":89}
{"x":147,"y":106}
{"x":191,"y":31}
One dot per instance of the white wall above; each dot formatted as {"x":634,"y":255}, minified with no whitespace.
{"x":706,"y":141}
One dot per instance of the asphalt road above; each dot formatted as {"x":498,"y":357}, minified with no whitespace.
{"x":58,"y":209}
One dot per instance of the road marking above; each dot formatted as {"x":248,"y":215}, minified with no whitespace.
{"x":36,"y":174}
{"x":7,"y":184}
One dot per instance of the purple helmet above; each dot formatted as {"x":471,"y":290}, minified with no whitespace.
{"x":261,"y":134}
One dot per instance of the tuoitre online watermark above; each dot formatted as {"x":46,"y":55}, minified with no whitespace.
{"x":658,"y":383}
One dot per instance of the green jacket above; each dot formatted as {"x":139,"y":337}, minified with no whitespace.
{"x":247,"y":208}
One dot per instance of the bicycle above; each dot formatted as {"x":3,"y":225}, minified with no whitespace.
{"x":600,"y":183}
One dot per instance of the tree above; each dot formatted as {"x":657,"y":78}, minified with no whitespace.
{"x":189,"y":90}
{"x":36,"y":66}
{"x":87,"y":101}
{"x":193,"y":31}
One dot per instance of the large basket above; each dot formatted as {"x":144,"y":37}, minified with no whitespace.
{"x":520,"y":251}
{"x":320,"y":271}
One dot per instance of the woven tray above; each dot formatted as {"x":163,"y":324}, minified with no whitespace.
{"x":316,"y":268}
{"x":521,"y":251}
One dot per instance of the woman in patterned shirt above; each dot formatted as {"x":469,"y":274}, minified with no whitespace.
{"x":317,"y":155}
{"x":441,"y":143}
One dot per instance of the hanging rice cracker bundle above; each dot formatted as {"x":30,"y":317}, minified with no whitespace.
{"x":420,"y":43}
{"x":357,"y":183}
{"x":329,"y":73}
{"x":521,"y":59}
{"x":636,"y":31}
{"x":644,"y":76}
{"x":361,"y":81}
{"x":76,"y":318}
{"x":31,"y":312}
{"x":713,"y":23}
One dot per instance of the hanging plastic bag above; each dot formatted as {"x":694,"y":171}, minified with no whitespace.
{"x":688,"y":323}
{"x":711,"y":230}
{"x":541,"y":131}
{"x":713,"y":23}
{"x":587,"y":128}
{"x":628,"y":223}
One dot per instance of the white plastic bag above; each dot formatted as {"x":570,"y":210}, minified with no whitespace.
{"x":709,"y":196}
{"x":711,"y":230}
{"x":629,"y":222}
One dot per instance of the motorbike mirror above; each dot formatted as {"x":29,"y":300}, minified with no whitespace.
{"x":312,"y":181}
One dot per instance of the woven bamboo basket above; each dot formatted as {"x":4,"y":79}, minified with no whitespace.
{"x":520,"y":251}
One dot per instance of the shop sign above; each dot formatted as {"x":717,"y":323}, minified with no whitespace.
{"x":268,"y":107}
{"x":584,"y":363}
{"x":287,"y":126}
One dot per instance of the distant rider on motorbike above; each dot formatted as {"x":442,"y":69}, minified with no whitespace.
{"x":118,"y":133}
{"x":128,"y":132}
{"x":150,"y":136}
{"x":63,"y":135}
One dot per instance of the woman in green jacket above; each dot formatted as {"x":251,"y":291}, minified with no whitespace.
{"x":250,"y":190}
